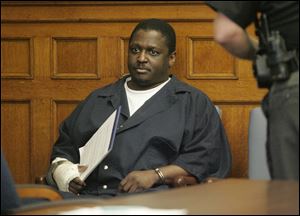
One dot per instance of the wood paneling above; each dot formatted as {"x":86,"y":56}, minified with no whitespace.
{"x":75,"y":58}
{"x":16,"y":58}
{"x":53,"y":54}
{"x":235,"y":117}
{"x":15,"y":135}
{"x":61,"y":109}
{"x":123,"y":49}
{"x":201,"y":51}
{"x":101,"y":11}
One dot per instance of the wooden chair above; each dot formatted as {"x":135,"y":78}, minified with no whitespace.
{"x":257,"y":137}
{"x":188,"y":180}
{"x":15,"y":196}
{"x":37,"y":191}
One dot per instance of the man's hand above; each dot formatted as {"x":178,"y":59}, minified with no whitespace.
{"x":76,"y":185}
{"x":137,"y":181}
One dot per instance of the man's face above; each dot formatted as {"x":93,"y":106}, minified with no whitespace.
{"x":148,"y":60}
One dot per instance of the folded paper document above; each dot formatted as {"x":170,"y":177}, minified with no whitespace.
{"x":99,"y":145}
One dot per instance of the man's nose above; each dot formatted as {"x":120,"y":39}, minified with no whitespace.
{"x":142,"y":57}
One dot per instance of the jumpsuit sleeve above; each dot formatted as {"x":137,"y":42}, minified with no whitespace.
{"x":205,"y":151}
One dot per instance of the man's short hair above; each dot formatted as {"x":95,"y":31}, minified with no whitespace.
{"x":158,"y":25}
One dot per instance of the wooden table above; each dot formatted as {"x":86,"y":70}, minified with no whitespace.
{"x":230,"y":196}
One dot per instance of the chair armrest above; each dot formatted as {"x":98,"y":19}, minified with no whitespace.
{"x":188,"y":180}
{"x":41,"y":180}
{"x":37,"y":191}
{"x":209,"y":180}
{"x":183,"y":181}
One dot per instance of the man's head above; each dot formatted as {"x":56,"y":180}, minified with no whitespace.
{"x":151,"y":53}
{"x":161,"y":26}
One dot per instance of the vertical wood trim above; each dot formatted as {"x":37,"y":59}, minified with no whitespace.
{"x":41,"y":144}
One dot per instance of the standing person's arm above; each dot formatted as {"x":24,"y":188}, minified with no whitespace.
{"x":233,"y":17}
{"x":234,"y":38}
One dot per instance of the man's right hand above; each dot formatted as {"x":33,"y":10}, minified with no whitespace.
{"x":76,"y":185}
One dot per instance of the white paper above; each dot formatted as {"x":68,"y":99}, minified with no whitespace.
{"x":99,"y":145}
{"x":124,"y":210}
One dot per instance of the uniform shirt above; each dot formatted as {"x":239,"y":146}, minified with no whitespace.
{"x":179,"y":125}
{"x":282,"y":16}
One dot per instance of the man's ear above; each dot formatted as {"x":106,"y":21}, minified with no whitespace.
{"x":172,"y":58}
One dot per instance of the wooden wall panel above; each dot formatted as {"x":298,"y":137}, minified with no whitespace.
{"x":16,"y":58}
{"x":54,"y":54}
{"x":201,"y":51}
{"x":15,"y":133}
{"x":75,"y":58}
{"x":123,"y":49}
{"x":40,"y":135}
{"x":61,"y":110}
{"x":103,"y":11}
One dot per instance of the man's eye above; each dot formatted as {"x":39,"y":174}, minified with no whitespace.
{"x":134,"y":50}
{"x":154,"y":53}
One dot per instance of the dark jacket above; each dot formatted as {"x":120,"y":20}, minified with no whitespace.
{"x":178,"y":125}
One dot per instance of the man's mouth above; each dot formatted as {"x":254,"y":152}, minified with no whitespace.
{"x":142,"y":70}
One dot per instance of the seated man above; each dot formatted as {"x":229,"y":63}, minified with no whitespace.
{"x":166,"y":127}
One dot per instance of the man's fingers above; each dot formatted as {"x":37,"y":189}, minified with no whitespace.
{"x":132,"y":189}
{"x":73,"y":190}
{"x":76,"y":185}
{"x":78,"y":181}
{"x":126,"y":187}
{"x":122,"y":184}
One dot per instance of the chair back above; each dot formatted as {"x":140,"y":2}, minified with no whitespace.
{"x":258,"y":167}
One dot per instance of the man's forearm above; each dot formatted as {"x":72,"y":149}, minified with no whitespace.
{"x":241,"y":46}
{"x":233,"y":38}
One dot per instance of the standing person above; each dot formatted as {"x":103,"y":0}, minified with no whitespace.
{"x":166,"y":127}
{"x":276,"y":64}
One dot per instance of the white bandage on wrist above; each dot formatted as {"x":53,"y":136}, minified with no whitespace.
{"x":64,"y":174}
{"x":58,"y":159}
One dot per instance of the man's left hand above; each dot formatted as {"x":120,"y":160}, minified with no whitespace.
{"x":137,"y":181}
